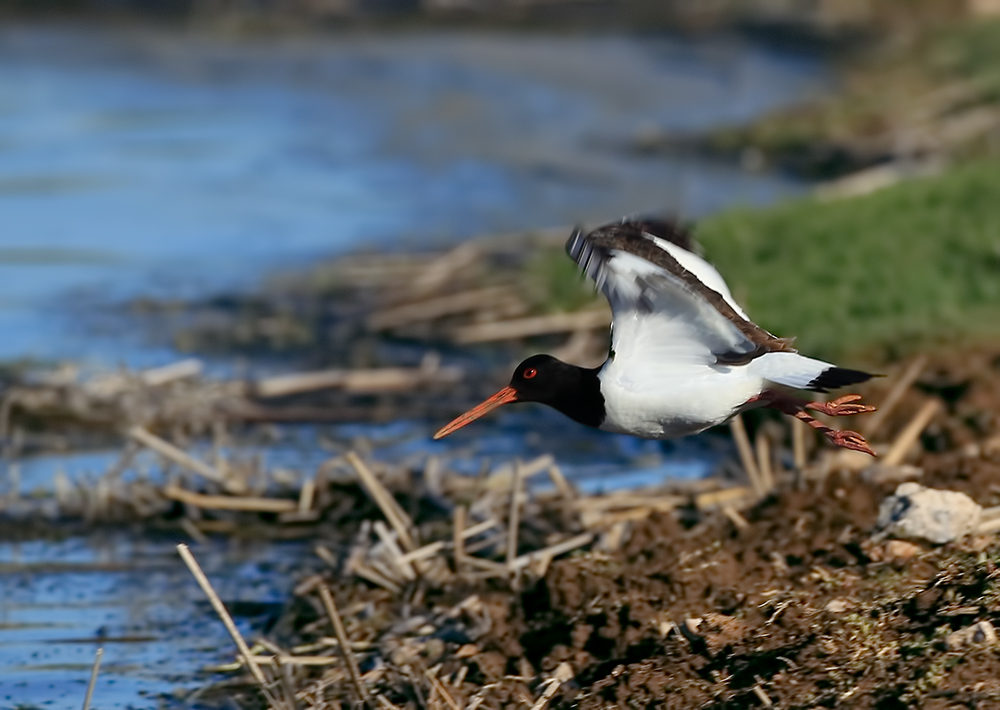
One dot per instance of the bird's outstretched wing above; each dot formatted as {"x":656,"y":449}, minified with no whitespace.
{"x":667,"y":300}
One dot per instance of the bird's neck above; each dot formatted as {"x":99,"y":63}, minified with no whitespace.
{"x":580,"y":398}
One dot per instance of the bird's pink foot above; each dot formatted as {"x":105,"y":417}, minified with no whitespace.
{"x":849,"y":440}
{"x":848,"y":404}
{"x":842,"y":406}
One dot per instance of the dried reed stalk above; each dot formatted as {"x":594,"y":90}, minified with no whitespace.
{"x":346,"y":652}
{"x":763,"y":448}
{"x":376,"y":577}
{"x":443,"y":268}
{"x":762,"y":696}
{"x":384,"y":702}
{"x":384,"y":379}
{"x":563,"y":673}
{"x":799,"y":444}
{"x":988,"y":526}
{"x":438,"y":307}
{"x":513,"y":519}
{"x":724,"y":496}
{"x":598,"y":520}
{"x":911,"y":432}
{"x":552,"y":550}
{"x":873,"y":424}
{"x":245,"y":503}
{"x":423,"y":553}
{"x":438,"y":686}
{"x":527,"y":327}
{"x":564,"y":487}
{"x":498,"y":478}
{"x":180,"y":370}
{"x":178,"y":456}
{"x":629,"y":500}
{"x":432,"y":549}
{"x":227,"y":620}
{"x":188,"y":526}
{"x":734,"y":515}
{"x":306,"y":495}
{"x":739,"y":431}
{"x":398,"y":519}
{"x":488,"y":565}
{"x":403,"y":567}
{"x":458,"y":537}
{"x":93,"y":678}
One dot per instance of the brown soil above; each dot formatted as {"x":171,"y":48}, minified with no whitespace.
{"x":800,"y":605}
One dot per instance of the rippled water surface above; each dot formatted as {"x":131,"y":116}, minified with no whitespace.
{"x":139,"y":162}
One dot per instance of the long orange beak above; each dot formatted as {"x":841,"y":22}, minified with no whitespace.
{"x":504,"y":396}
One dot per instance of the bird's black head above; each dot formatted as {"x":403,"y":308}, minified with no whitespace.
{"x":574,"y":391}
{"x":545,"y":379}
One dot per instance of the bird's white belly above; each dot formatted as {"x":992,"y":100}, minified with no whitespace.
{"x":677,"y":406}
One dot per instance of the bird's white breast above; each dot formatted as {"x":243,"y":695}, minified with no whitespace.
{"x":686,"y":401}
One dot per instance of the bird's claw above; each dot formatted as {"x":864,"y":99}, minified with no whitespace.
{"x":850,"y":440}
{"x":842,"y":406}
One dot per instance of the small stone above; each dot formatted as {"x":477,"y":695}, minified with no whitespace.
{"x":901,"y":550}
{"x":979,"y":634}
{"x":938,"y":516}
{"x":838,"y":606}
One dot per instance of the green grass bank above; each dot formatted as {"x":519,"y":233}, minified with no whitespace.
{"x":913,"y":266}
{"x":927,"y":86}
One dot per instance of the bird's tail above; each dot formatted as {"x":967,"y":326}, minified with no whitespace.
{"x":805,"y":373}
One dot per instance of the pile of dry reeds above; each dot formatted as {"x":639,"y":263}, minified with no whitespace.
{"x":179,"y":399}
{"x":485,"y":290}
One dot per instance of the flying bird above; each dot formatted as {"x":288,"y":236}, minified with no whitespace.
{"x":684,"y":356}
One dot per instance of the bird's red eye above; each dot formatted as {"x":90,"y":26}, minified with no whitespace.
{"x":529,"y":373}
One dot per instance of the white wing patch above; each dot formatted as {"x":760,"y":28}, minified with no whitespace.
{"x":659,"y":322}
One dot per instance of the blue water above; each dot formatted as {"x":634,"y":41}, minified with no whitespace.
{"x":143,"y":163}
{"x":149,"y":163}
{"x":132,"y":597}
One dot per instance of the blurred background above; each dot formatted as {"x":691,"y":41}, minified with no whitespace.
{"x":204,"y":203}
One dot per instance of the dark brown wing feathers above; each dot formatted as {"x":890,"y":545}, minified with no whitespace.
{"x":628,"y":237}
{"x":668,"y":230}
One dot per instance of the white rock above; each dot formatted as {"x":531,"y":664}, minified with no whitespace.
{"x":938,"y":516}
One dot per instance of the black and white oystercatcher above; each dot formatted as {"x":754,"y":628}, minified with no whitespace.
{"x":684,"y":356}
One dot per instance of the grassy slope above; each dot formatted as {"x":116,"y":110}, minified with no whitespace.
{"x":912,"y":265}
{"x":904,"y":84}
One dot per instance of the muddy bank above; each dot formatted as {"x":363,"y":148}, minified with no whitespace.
{"x":782,"y":597}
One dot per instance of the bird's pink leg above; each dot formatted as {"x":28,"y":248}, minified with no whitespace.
{"x":842,"y":406}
